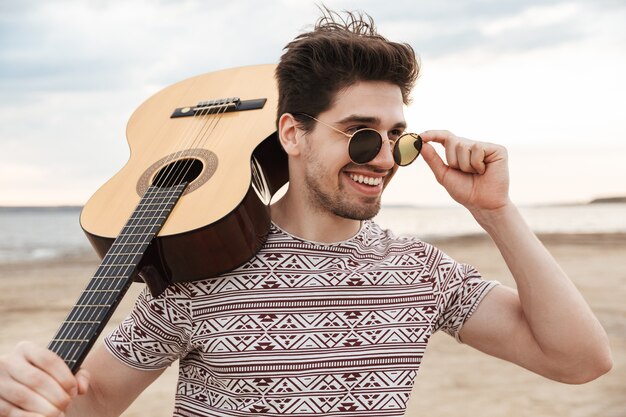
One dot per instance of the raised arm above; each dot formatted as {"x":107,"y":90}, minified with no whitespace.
{"x":546,"y":325}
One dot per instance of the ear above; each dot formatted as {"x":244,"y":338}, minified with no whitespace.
{"x":288,"y":134}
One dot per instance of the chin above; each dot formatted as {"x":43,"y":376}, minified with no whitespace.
{"x":354,"y":212}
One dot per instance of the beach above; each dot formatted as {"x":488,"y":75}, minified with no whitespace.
{"x":454,"y":380}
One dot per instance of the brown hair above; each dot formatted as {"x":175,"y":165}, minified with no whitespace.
{"x":336,"y":54}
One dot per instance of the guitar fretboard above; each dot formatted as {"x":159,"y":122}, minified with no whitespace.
{"x":113,"y":277}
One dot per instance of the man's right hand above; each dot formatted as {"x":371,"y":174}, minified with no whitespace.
{"x":36,"y":382}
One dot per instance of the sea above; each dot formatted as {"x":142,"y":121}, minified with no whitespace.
{"x":48,"y":233}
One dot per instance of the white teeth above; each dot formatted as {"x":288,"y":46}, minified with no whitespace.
{"x":366,"y":180}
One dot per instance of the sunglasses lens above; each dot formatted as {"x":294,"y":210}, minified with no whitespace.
{"x":364,"y":146}
{"x":407,"y":148}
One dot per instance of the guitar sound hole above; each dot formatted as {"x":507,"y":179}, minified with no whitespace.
{"x":177,"y":172}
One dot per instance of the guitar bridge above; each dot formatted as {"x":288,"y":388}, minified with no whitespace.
{"x":219,"y":106}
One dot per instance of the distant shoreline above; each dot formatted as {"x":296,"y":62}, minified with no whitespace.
{"x":86,"y":255}
{"x":593,"y":238}
{"x":40,"y":208}
{"x":599,"y":200}
{"x":608,"y":200}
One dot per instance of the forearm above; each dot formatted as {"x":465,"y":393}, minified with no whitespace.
{"x":87,"y":405}
{"x":559,"y":318}
{"x":113,"y":385}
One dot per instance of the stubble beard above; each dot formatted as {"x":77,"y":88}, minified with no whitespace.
{"x":337,"y":202}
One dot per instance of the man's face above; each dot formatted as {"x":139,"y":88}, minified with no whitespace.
{"x":333,"y":182}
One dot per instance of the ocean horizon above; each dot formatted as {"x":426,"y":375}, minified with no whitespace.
{"x":39,"y":233}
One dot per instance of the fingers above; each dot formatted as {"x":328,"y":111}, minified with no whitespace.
{"x":35,"y":380}
{"x":82,"y":377}
{"x":477,"y":158}
{"x":434,"y":161}
{"x":8,"y":410}
{"x":49,"y":364}
{"x":18,"y":398}
{"x":462,"y":154}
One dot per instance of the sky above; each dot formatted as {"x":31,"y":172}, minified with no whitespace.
{"x":543,"y":78}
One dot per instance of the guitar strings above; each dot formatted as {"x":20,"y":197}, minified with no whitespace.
{"x":96,"y":294}
{"x":181,"y":166}
{"x":176,"y":172}
{"x":78,"y":316}
{"x":93,"y":293}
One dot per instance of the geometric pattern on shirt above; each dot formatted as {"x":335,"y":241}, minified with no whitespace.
{"x":304,"y":329}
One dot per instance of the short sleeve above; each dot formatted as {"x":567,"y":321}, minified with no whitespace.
{"x":156,"y":333}
{"x":459,"y":290}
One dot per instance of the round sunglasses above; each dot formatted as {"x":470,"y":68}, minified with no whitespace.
{"x":365,"y":144}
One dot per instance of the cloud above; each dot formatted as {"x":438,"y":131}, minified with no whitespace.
{"x":72,"y":45}
{"x":441,"y":29}
{"x":72,"y":72}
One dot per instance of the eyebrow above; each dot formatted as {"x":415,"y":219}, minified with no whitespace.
{"x":355,"y":118}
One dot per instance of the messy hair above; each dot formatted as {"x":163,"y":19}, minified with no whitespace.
{"x":337,"y":53}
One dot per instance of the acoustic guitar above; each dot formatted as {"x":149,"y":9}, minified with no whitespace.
{"x":191,"y":202}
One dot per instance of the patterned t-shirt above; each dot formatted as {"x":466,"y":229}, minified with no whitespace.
{"x":304,"y":328}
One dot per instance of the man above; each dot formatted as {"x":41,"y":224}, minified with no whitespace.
{"x":332,"y":316}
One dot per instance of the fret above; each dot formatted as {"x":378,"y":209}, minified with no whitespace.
{"x":81,"y":321}
{"x":125,"y":254}
{"x":73,"y":336}
{"x":123,"y":265}
{"x":67,"y":349}
{"x":136,"y":225}
{"x":107,"y":297}
{"x":110,"y":266}
{"x":132,"y":239}
{"x":108,"y":282}
{"x":130,"y":243}
{"x":75,"y":327}
{"x":109,"y":276}
{"x":142,"y":237}
{"x":143,"y":217}
{"x":142,"y":246}
{"x":157,"y":199}
{"x":161,"y":206}
{"x":92,"y":313}
{"x":121,"y":254}
{"x":70,"y":340}
{"x":92,"y":306}
{"x":144,"y":229}
{"x":147,"y":207}
{"x":124,"y":257}
{"x":133,"y":236}
{"x":153,"y":190}
{"x":109,"y":271}
{"x":157,"y":190}
{"x":156,"y":203}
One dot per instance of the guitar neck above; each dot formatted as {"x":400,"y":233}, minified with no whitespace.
{"x":113,"y":277}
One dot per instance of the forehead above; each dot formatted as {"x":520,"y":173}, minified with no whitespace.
{"x":376,"y":99}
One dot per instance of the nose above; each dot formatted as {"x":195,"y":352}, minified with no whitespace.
{"x":384,"y":158}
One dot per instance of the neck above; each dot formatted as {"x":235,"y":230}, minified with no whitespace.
{"x":300,"y":219}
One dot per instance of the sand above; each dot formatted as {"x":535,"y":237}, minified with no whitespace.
{"x":454,"y":380}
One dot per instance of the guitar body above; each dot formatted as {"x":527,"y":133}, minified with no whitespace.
{"x":231,"y":158}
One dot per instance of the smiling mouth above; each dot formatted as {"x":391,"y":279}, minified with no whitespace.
{"x":361,"y":179}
